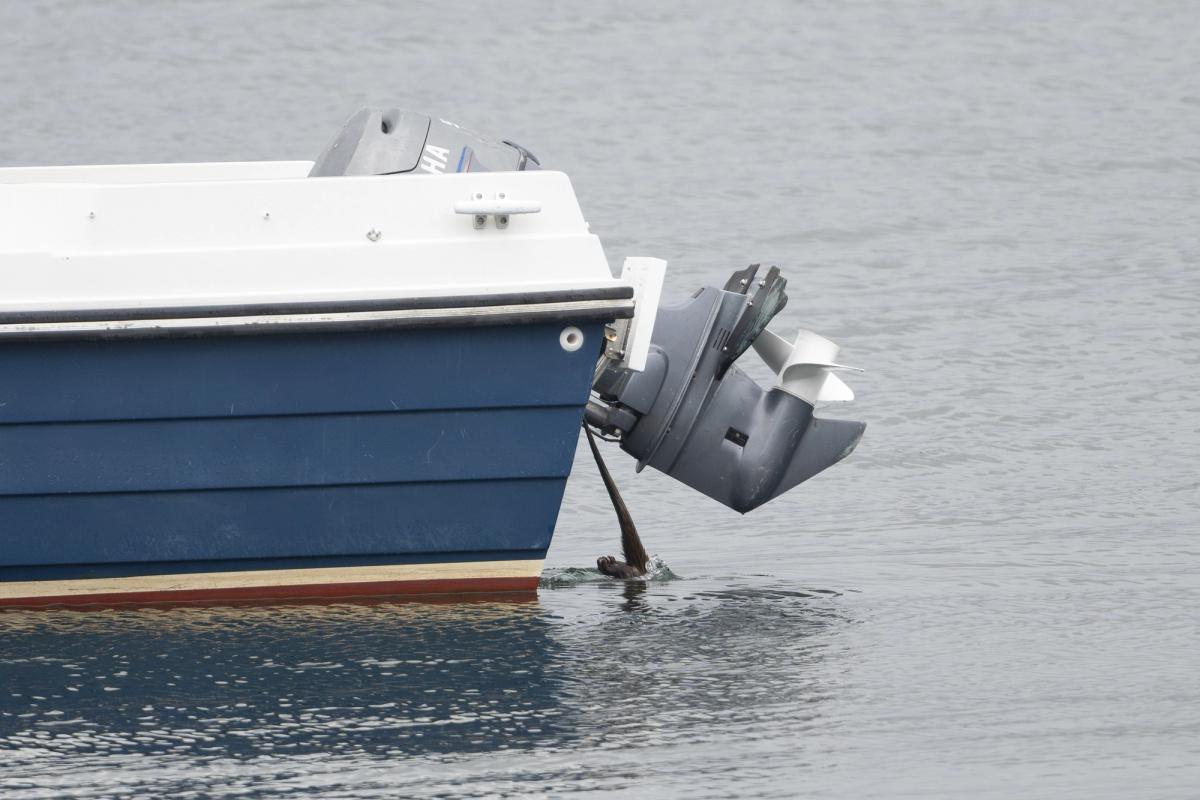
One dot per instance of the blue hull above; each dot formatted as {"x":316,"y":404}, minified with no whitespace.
{"x":313,"y":451}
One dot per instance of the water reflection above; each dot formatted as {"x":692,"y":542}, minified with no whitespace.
{"x":683,"y":660}
{"x":634,"y":594}
{"x":587,"y":667}
{"x":385,"y":678}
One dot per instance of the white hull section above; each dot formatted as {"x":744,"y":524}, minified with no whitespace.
{"x":208,"y":241}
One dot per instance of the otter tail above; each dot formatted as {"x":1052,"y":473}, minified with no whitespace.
{"x":631,"y":544}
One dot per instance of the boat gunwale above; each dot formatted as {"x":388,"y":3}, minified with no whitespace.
{"x":601,"y":303}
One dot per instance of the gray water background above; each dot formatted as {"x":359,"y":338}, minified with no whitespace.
{"x":995,"y":211}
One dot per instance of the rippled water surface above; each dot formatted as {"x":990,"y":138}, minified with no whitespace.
{"x":995,"y":212}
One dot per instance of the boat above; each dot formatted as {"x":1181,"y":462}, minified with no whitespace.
{"x":359,"y":376}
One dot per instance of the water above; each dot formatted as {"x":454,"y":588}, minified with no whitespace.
{"x":994,"y":211}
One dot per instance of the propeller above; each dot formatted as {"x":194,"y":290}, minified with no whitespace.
{"x":805,"y":366}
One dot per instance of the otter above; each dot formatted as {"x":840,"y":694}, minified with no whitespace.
{"x":636,"y":559}
{"x":619,"y":569}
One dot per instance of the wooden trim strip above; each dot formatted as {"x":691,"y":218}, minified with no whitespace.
{"x":368,"y":581}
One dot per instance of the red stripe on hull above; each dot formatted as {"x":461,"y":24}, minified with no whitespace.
{"x":322,"y":591}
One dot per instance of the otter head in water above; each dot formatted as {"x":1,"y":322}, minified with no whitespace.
{"x":618,"y":569}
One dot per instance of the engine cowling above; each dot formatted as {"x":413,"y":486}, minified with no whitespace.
{"x":692,"y":414}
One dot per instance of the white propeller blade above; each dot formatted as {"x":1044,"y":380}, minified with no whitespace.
{"x":805,"y":366}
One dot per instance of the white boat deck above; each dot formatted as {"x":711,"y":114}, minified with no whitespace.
{"x":137,"y":236}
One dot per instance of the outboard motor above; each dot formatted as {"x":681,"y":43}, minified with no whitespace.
{"x":392,"y":141}
{"x":688,"y":410}
{"x":692,"y":414}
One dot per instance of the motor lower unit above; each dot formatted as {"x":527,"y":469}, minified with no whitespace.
{"x":692,"y":414}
